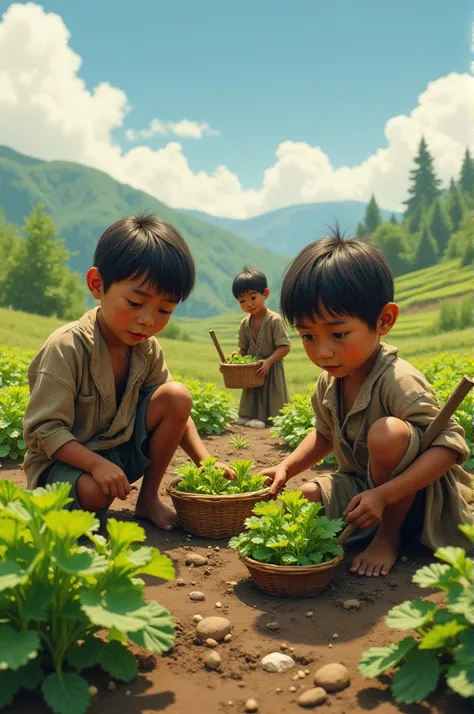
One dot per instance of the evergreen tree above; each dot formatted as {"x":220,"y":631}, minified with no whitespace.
{"x":373,"y":217}
{"x":466,"y":179}
{"x":440,"y":225}
{"x":40,"y":281}
{"x":414,"y":221}
{"x":452,"y":186}
{"x":361,"y":230}
{"x":427,"y":250}
{"x":425,"y":184}
{"x":393,"y":241}
{"x":460,"y":241}
{"x":393,"y":219}
{"x":9,"y":243}
{"x":467,"y":257}
{"x":455,"y":207}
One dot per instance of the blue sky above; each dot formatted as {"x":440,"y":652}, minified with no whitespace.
{"x":327,"y":73}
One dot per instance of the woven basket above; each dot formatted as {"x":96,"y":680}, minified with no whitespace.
{"x":214,"y":516}
{"x":291,"y":580}
{"x":241,"y":376}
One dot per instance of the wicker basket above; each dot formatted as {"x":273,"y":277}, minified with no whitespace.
{"x":291,"y":580}
{"x":241,"y":376}
{"x":214,"y":516}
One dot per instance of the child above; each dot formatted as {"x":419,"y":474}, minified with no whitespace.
{"x":104,"y":409}
{"x":262,"y":334}
{"x":371,"y":409}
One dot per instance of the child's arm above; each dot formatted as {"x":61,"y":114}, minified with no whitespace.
{"x":110,"y":477}
{"x":243,"y":339}
{"x":312,"y":449}
{"x":278,"y":355}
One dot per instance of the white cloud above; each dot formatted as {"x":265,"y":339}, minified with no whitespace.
{"x":185,"y":129}
{"x":47,"y":111}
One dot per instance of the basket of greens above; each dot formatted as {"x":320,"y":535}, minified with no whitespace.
{"x":240,"y":372}
{"x":209,"y":504}
{"x":288,"y":548}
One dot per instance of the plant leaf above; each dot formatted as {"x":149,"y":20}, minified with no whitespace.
{"x":460,"y":678}
{"x":465,"y":652}
{"x":17,"y":648}
{"x":377,"y":660}
{"x":68,"y":695}
{"x":70,"y":524}
{"x":31,"y":676}
{"x":11,"y":574}
{"x":87,"y":654}
{"x":433,"y":576}
{"x":158,"y":635}
{"x":410,"y":615}
{"x":439,"y":635}
{"x":118,"y":661}
{"x":71,"y":562}
{"x":460,"y":599}
{"x":416,"y":678}
{"x":38,"y":596}
{"x":453,"y":556}
{"x":122,"y":607}
{"x":123,"y":534}
{"x":161,"y":566}
{"x":9,"y":687}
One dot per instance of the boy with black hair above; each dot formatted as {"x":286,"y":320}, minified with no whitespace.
{"x":104,"y":409}
{"x":263,"y":335}
{"x":371,"y":409}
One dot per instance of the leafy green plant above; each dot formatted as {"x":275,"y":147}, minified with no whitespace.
{"x":13,"y":366}
{"x":242,"y":359}
{"x":444,"y":641}
{"x":239,"y":442}
{"x":210,"y":479}
{"x":289,"y":531}
{"x":56,"y":595}
{"x":212,"y":409}
{"x":13,"y":402}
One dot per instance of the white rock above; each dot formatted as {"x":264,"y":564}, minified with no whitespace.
{"x":351,"y":604}
{"x":228,"y":638}
{"x":180,"y":583}
{"x":301,"y":674}
{"x":251,"y":705}
{"x":196,"y":596}
{"x":310,"y":614}
{"x":218,"y":605}
{"x":211,"y":642}
{"x":196,"y":560}
{"x":335,"y":636}
{"x":292,"y":689}
{"x":215,"y":627}
{"x":312,"y":697}
{"x":332,"y":677}
{"x":212,"y":660}
{"x":197,"y":618}
{"x":277,"y":662}
{"x":272,"y":626}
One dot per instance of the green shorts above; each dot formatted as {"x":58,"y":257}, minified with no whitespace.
{"x":131,"y":457}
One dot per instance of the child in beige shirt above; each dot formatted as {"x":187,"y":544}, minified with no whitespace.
{"x":371,"y":409}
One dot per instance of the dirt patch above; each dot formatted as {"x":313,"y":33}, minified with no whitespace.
{"x":180,"y":684}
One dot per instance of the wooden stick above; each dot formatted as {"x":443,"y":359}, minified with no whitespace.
{"x":462,"y":388}
{"x":217,"y":345}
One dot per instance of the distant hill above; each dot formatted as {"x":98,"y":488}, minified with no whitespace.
{"x":84,"y":201}
{"x":287,"y":230}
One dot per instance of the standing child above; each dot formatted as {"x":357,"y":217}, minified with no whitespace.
{"x":371,"y":409}
{"x":263,"y":335}
{"x":104,"y":409}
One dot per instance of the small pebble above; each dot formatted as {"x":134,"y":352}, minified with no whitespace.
{"x":292,"y":649}
{"x":292,"y":689}
{"x":310,"y":614}
{"x":330,"y":645}
{"x":404,"y":558}
{"x":193,"y":582}
{"x":128,"y":692}
{"x":241,"y":684}
{"x":301,"y":674}
{"x":251,"y":705}
{"x":218,"y":604}
{"x":217,"y":549}
{"x":196,"y":596}
{"x":211,"y":642}
{"x":112,"y":686}
{"x":272,"y":626}
{"x":212,"y":660}
{"x":312,"y":697}
{"x":351,"y":604}
{"x":306,"y":671}
{"x":295,"y":677}
{"x":209,"y":547}
{"x":283,"y":646}
{"x":230,"y":703}
{"x":335,"y":636}
{"x":180,"y":583}
{"x":228,"y":638}
{"x":233,"y":583}
{"x":196,"y":560}
{"x":278,"y":690}
{"x":332,"y":677}
{"x":93,"y":691}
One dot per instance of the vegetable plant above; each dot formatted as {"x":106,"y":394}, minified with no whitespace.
{"x":56,"y":595}
{"x":239,"y":442}
{"x":13,"y":402}
{"x":207,"y":478}
{"x":237,"y":358}
{"x":289,"y":531}
{"x":212,"y":409}
{"x":443,"y":644}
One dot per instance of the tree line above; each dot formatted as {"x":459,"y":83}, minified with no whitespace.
{"x":437,"y":223}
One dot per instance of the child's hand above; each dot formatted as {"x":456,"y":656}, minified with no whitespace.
{"x":263,"y":369}
{"x":277,"y":476}
{"x":111,"y":479}
{"x":366,"y":508}
{"x":229,"y":473}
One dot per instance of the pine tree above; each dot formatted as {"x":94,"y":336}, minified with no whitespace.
{"x":414,"y":221}
{"x":455,"y":207}
{"x":393,"y":241}
{"x":373,"y":217}
{"x":393,"y":219}
{"x":40,"y":281}
{"x":427,"y":250}
{"x":440,"y":225}
{"x":425,"y":184}
{"x":361,"y":230}
{"x":466,"y":179}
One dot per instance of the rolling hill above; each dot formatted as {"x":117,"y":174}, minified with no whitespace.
{"x":84,"y":201}
{"x":287,"y":230}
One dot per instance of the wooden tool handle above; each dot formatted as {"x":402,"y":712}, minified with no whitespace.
{"x":218,"y":347}
{"x":462,"y":388}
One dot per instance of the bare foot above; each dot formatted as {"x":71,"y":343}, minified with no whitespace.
{"x":163,"y":517}
{"x":377,"y":559}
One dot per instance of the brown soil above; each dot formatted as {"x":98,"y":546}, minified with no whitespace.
{"x":179,"y":684}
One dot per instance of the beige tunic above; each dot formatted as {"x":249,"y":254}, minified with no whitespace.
{"x":73,"y":398}
{"x":393,"y":388}
{"x":266,"y":401}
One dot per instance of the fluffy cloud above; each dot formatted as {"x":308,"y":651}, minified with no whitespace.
{"x":185,"y":129}
{"x":47,"y":111}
